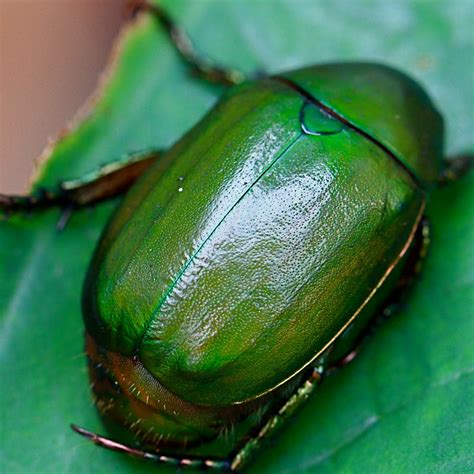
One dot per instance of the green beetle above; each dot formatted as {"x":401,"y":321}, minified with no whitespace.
{"x":249,"y":259}
{"x":227,"y":281}
{"x":236,"y":264}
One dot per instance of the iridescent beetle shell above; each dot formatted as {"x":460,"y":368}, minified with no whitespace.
{"x":245,"y":253}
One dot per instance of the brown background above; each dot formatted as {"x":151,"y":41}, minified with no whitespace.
{"x":51,"y":53}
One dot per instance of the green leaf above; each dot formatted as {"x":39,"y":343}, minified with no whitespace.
{"x":406,"y":403}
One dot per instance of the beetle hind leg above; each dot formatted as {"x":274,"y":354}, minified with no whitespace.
{"x":200,"y":65}
{"x":198,"y":463}
{"x":246,"y":452}
{"x":243,"y":454}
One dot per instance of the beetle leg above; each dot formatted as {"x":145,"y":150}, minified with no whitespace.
{"x":108,"y":181}
{"x":246,"y":452}
{"x":456,"y":168}
{"x":200,"y":65}
{"x":156,"y":457}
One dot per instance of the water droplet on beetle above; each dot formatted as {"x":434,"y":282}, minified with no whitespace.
{"x":315,"y":121}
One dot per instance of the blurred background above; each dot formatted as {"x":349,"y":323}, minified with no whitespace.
{"x":51,"y":55}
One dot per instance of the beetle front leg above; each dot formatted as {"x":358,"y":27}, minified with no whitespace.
{"x":106,"y":182}
{"x":199,"y":64}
